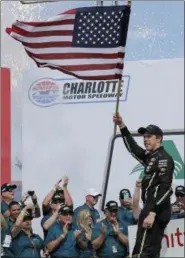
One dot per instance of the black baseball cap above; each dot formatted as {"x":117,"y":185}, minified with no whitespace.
{"x":7,"y":187}
{"x":180,"y":189}
{"x":65,"y":210}
{"x":27,"y":217}
{"x":111,"y":206}
{"x":125,"y":192}
{"x":151,"y":129}
{"x":59,"y":190}
{"x":57,"y":199}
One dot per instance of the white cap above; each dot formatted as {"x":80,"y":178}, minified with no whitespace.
{"x":92,"y":192}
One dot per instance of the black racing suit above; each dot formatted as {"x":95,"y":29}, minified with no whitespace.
{"x":156,"y":192}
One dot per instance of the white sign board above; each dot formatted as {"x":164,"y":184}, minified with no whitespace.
{"x":47,"y":92}
{"x":173,"y":239}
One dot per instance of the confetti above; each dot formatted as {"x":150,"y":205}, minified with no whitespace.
{"x":13,"y":55}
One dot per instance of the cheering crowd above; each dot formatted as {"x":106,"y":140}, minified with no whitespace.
{"x":70,"y":231}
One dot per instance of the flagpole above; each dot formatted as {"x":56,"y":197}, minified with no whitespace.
{"x":129,"y":2}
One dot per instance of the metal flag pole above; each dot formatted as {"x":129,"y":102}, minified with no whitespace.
{"x":129,"y":2}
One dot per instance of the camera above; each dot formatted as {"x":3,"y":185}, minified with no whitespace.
{"x":29,"y":212}
{"x":31,"y":193}
{"x":176,"y":205}
{"x":127,"y":195}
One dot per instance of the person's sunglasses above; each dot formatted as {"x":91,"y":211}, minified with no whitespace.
{"x":95,"y":197}
{"x":10,"y":190}
{"x":116,"y":210}
{"x":180,"y":195}
{"x":125,"y":197}
{"x":57,"y":202}
{"x":67,"y":213}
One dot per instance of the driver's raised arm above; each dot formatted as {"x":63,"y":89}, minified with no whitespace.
{"x":136,"y":151}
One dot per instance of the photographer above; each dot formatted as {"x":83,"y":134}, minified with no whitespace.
{"x":25,"y":243}
{"x":178,"y":207}
{"x":14,"y":211}
{"x":36,"y":210}
{"x":17,"y":226}
{"x":64,"y":195}
{"x":13,"y":226}
{"x":129,"y":209}
{"x":7,"y":196}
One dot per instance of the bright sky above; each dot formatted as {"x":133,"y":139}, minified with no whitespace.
{"x":156,"y":27}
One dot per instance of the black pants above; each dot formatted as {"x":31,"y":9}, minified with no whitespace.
{"x":148,"y":241}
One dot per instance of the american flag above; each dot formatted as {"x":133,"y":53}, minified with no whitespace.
{"x":88,"y":43}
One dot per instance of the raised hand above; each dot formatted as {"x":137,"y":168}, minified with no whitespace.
{"x":117,"y":119}
{"x":65,"y":181}
{"x":77,"y":233}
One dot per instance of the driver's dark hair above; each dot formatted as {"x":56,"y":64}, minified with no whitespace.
{"x":160,"y":136}
{"x":12,"y":204}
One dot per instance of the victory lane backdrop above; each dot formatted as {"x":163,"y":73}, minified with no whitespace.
{"x":73,"y":139}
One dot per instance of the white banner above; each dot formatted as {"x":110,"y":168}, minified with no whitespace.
{"x":173,"y":239}
{"x":47,"y":92}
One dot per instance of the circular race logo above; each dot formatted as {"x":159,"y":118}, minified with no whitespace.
{"x":44,"y":92}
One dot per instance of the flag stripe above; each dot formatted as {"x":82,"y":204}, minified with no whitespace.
{"x":29,"y":34}
{"x":92,"y":72}
{"x":109,"y":74}
{"x":92,"y":67}
{"x":74,"y":50}
{"x":98,"y":72}
{"x":48,"y":28}
{"x":42,"y":39}
{"x":94,"y":77}
{"x":100,"y":77}
{"x":60,"y":21}
{"x":53,"y":56}
{"x":88,"y":67}
{"x":74,"y":68}
{"x":79,"y":61}
{"x":48,"y":44}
